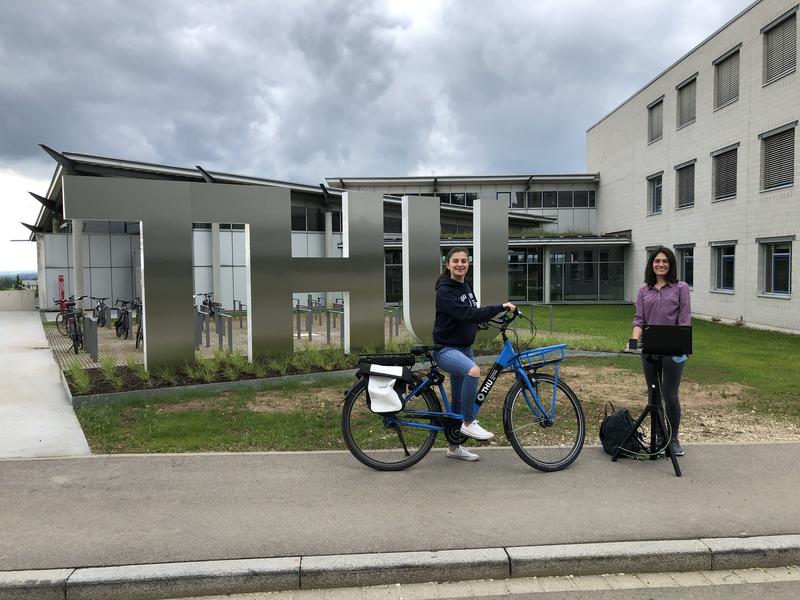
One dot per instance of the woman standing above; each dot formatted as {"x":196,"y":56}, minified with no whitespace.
{"x":457,"y":318}
{"x":664,"y":300}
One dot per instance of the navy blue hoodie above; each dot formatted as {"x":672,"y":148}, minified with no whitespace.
{"x":457,"y":313}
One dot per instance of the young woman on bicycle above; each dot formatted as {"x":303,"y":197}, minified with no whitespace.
{"x":457,"y":318}
{"x":664,"y":300}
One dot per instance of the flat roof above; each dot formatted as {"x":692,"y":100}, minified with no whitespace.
{"x":344,"y":182}
{"x":673,"y":65}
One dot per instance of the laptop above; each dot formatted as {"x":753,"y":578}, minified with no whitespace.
{"x":667,"y":340}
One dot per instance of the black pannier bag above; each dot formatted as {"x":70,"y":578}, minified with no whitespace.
{"x":615,"y":428}
{"x":388,"y":377}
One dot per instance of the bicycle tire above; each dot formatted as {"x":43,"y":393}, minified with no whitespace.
{"x":72,"y":326}
{"x":60,"y":325}
{"x":139,"y":338}
{"x":379,"y":446}
{"x":544,"y":447}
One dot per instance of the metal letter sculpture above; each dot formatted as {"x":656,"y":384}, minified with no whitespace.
{"x":167,"y":210}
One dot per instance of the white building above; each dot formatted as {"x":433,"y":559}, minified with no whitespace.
{"x":703,"y":159}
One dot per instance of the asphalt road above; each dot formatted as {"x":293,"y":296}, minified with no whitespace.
{"x":114,"y":510}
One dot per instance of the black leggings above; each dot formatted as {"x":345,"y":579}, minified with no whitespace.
{"x":671,"y":381}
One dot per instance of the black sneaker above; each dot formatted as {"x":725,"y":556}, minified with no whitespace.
{"x":676,"y":448}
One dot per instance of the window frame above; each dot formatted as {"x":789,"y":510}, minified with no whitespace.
{"x":680,"y":251}
{"x":715,"y":157}
{"x":766,"y":255}
{"x":679,"y":169}
{"x":718,"y":63}
{"x":650,"y":108}
{"x":680,"y":89}
{"x":765,"y":31}
{"x":767,"y":135}
{"x":651,"y":189}
{"x":718,"y":262}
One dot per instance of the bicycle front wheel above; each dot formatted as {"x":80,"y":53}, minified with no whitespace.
{"x":61,"y":324}
{"x":544,"y":446}
{"x":378,"y":441}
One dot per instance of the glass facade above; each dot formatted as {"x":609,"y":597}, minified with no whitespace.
{"x":525,"y":274}
{"x":393,"y":261}
{"x":581,"y":274}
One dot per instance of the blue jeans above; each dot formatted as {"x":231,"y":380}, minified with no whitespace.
{"x":457,"y":362}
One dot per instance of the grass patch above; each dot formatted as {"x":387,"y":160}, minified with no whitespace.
{"x":78,"y":378}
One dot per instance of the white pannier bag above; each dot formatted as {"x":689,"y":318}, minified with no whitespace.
{"x":385,"y":386}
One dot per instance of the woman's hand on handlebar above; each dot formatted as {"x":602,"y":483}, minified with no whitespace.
{"x":510,"y":307}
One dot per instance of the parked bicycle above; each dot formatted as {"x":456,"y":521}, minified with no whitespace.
{"x":71,"y":321}
{"x":137,"y":309}
{"x":66,"y":306}
{"x":208,"y":305}
{"x":122,"y":324}
{"x":99,"y":310}
{"x":542,"y":417}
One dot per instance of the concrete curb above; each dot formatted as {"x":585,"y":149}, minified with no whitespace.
{"x":221,"y":577}
{"x":406,"y":567}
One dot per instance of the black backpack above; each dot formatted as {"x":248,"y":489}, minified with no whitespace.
{"x":615,"y":428}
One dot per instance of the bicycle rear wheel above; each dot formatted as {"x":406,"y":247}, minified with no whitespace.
{"x":547,"y":447}
{"x":60,"y":324}
{"x":376,"y":441}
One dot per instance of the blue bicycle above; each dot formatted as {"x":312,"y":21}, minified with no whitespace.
{"x":542,"y":417}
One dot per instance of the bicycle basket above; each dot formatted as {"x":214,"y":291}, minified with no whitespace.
{"x":539,"y":357}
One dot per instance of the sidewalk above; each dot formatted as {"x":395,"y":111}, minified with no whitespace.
{"x":323,"y":508}
{"x":36,"y":418}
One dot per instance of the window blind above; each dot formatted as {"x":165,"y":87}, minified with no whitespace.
{"x":685,"y":186}
{"x":725,"y":175}
{"x":686,"y":103}
{"x":778,"y":159}
{"x":727,"y":84}
{"x":655,"y":121}
{"x":780,"y":49}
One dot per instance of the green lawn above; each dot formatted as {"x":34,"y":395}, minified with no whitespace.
{"x":763,"y":362}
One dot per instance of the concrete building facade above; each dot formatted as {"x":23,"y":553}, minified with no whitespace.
{"x":703,"y":159}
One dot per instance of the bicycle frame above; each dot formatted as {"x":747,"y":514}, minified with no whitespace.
{"x":507,"y":358}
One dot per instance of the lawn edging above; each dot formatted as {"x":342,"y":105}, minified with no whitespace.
{"x":261,"y":383}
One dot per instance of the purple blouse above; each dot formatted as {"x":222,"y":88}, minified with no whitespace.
{"x":668,"y":306}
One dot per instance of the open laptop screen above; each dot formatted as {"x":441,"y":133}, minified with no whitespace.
{"x":667,"y":340}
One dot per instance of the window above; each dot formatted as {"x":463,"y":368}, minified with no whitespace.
{"x":565,"y":199}
{"x":776,"y":266}
{"x":534,"y":199}
{"x":549,"y":199}
{"x":581,"y":198}
{"x":655,"y":120}
{"x":724,"y":257}
{"x":724,"y":176}
{"x":517,"y":200}
{"x":298,"y":218}
{"x":780,"y":47}
{"x":687,"y":101}
{"x":685,"y":184}
{"x":686,"y":264}
{"x":591,"y":198}
{"x":654,"y":194}
{"x":726,"y":78}
{"x":392,"y":224}
{"x":777,"y":157}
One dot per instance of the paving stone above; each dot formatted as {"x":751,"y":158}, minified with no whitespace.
{"x":690,"y":579}
{"x":783,"y":573}
{"x":486,"y":587}
{"x":722,"y":577}
{"x":622,"y":581}
{"x":657,"y":580}
{"x":418,"y":591}
{"x":557,"y":584}
{"x":754,"y":575}
{"x":591,"y":583}
{"x":451,"y":589}
{"x":524,"y":585}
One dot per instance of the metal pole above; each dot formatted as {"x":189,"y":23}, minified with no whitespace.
{"x":310,"y":316}
{"x":230,"y":335}
{"x":397,"y":323}
{"x":341,"y":330}
{"x":550,"y":317}
{"x":328,"y":326}
{"x":391,"y":329}
{"x":297,"y":308}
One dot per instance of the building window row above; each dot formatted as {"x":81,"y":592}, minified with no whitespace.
{"x":549,"y":199}
{"x":774,"y":265}
{"x":777,"y":171}
{"x":779,"y":60}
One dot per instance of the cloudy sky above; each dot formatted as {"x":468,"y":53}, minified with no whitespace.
{"x":300,"y":90}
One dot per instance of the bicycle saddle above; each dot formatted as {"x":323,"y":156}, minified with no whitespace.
{"x":421,"y":349}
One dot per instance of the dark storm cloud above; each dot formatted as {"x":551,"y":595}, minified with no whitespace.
{"x":301,"y":90}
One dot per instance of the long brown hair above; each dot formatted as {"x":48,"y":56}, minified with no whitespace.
{"x":446,"y":271}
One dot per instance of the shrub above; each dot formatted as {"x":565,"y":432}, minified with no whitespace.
{"x":78,"y":377}
{"x":108,"y":367}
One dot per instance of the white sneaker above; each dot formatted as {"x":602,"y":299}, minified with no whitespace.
{"x":474,"y":430}
{"x":462,"y":453}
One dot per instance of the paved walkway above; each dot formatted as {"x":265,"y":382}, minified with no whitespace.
{"x":36,"y":418}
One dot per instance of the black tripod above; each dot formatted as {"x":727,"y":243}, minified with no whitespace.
{"x":657,"y":422}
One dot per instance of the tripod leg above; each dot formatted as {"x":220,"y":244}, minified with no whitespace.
{"x":632,"y":432}
{"x":662,"y":425}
